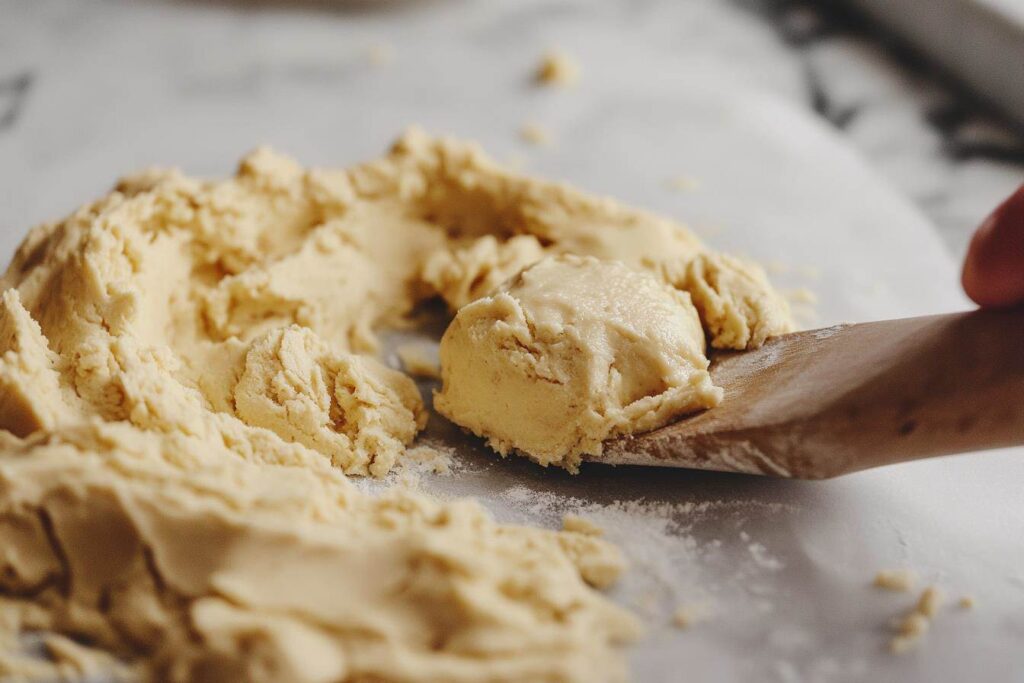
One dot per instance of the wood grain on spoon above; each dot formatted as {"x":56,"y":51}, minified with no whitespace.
{"x":827,"y":402}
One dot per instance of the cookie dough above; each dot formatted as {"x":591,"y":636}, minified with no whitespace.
{"x":172,"y":553}
{"x":464,"y":274}
{"x":557,"y":68}
{"x":738,"y":306}
{"x":187,"y":375}
{"x":897,"y":580}
{"x":915,"y":624}
{"x":571,"y":352}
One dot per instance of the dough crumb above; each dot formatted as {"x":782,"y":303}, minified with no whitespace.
{"x":966,"y":602}
{"x":535,"y":134}
{"x":419,"y":360}
{"x":910,"y":630}
{"x":428,"y":457}
{"x":686,"y":616}
{"x":930,"y":601}
{"x":899,"y":580}
{"x":380,"y":54}
{"x":581,"y":525}
{"x":683,"y":183}
{"x":915,"y":624}
{"x":557,"y":68}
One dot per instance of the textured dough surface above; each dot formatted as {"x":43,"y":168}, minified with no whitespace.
{"x":187,"y":377}
{"x":169,"y":550}
{"x":569,"y":353}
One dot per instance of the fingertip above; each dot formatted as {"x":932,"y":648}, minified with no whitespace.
{"x":993,"y":271}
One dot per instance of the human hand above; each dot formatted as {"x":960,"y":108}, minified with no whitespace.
{"x":993,"y":272}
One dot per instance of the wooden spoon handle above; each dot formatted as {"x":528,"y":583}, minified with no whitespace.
{"x":826,"y":402}
{"x":905,"y":389}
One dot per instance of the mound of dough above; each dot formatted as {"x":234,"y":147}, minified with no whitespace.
{"x":571,"y":352}
{"x":169,"y":551}
{"x":187,"y":375}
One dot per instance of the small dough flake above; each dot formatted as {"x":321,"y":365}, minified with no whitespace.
{"x":911,"y":630}
{"x":535,"y":134}
{"x":380,"y":54}
{"x":930,"y":601}
{"x":557,"y":68}
{"x":915,"y":624}
{"x":686,"y":616}
{"x":430,"y":458}
{"x":683,"y":183}
{"x":898,"y":580}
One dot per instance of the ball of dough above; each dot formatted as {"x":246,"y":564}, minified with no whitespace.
{"x":569,"y":353}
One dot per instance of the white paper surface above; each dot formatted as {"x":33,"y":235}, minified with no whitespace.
{"x":784,"y":566}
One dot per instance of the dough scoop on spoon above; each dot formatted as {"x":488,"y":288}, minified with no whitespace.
{"x":827,"y":402}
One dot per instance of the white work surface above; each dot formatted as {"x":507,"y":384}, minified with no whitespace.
{"x":784,"y":567}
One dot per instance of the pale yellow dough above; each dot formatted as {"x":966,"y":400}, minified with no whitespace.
{"x":187,"y":377}
{"x":168,"y":550}
{"x":569,"y":353}
{"x":559,"y":69}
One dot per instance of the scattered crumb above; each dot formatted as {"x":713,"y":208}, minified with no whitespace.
{"x":428,"y":458}
{"x":686,"y":616}
{"x":930,"y":601}
{"x":380,"y":54}
{"x":558,"y":68}
{"x":901,"y":580}
{"x":683,"y":183}
{"x":915,"y":624}
{"x":801,"y":295}
{"x":535,"y":134}
{"x":900,"y":644}
{"x":419,"y":361}
{"x":581,"y":525}
{"x":909,"y":632}
{"x":966,"y":602}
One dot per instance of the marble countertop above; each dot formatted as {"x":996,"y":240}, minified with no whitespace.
{"x":925,"y":133}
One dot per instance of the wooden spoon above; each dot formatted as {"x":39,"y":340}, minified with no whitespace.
{"x":827,"y":402}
